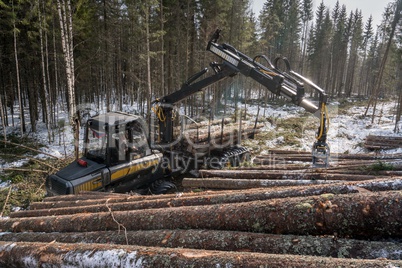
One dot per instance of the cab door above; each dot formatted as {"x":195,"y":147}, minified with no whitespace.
{"x":105,"y":177}
{"x":131,"y":158}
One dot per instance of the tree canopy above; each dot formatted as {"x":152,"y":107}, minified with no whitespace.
{"x":110,"y":53}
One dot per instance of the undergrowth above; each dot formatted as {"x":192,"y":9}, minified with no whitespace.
{"x":12,"y":149}
{"x":24,"y":184}
{"x":381,"y":166}
{"x":286,"y":132}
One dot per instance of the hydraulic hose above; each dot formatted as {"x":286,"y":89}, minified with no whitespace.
{"x":324,"y":116}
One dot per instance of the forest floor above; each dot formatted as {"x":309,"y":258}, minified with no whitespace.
{"x":23,"y":169}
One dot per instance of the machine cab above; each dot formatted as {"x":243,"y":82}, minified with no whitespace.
{"x":116,"y":157}
{"x":115,"y":138}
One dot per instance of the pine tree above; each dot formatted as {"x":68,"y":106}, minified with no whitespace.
{"x":292,"y":30}
{"x":355,"y":45}
{"x":66,"y":28}
{"x":319,"y":44}
{"x":306,"y":17}
{"x":397,"y":7}
{"x":365,"y":69}
{"x":398,"y":59}
{"x":271,"y":24}
{"x":339,"y":49}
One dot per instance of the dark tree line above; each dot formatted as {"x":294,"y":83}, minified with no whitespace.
{"x":68,"y":53}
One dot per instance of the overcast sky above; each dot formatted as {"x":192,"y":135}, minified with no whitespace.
{"x":374,"y":7}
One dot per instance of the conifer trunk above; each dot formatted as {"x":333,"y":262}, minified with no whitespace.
{"x":23,"y":254}
{"x":358,"y":215}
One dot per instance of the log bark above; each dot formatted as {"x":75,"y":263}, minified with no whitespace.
{"x":353,"y":215}
{"x":382,"y":142}
{"x":283,"y":174}
{"x":279,"y":151}
{"x":177,"y":201}
{"x":281,"y":159}
{"x":217,"y":133}
{"x":72,"y":201}
{"x":382,"y":185}
{"x":355,"y":174}
{"x":210,"y":198}
{"x":362,"y":166}
{"x":306,"y":161}
{"x":205,"y":123}
{"x":214,"y":128}
{"x":276,"y":157}
{"x":274,"y":167}
{"x":356,"y":167}
{"x":227,"y":241}
{"x":86,"y":195}
{"x":338,"y":156}
{"x":23,"y":254}
{"x":236,"y":184}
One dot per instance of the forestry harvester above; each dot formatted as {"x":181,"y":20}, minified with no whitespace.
{"x":118,"y":152}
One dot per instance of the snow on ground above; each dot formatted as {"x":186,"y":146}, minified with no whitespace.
{"x":347,"y":131}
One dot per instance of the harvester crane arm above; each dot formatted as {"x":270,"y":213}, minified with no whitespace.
{"x":287,"y":83}
{"x":190,"y":87}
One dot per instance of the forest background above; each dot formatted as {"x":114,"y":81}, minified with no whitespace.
{"x":63,"y":54}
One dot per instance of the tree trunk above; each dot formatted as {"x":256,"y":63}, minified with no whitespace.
{"x":100,"y":198}
{"x":226,"y":241}
{"x":283,"y":174}
{"x":66,"y":28}
{"x":207,"y":198}
{"x":3,"y":121}
{"x":236,"y":184}
{"x":149,"y":82}
{"x":374,"y":142}
{"x":374,"y":96}
{"x":17,"y":71}
{"x":45,"y":93}
{"x":55,"y":86}
{"x":399,"y":103}
{"x":359,"y":215}
{"x":212,"y":197}
{"x":24,"y":254}
{"x":162,"y":55}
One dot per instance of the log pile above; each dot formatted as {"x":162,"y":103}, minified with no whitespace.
{"x":285,"y":217}
{"x":292,"y":168}
{"x":374,"y":142}
{"x":203,"y":137}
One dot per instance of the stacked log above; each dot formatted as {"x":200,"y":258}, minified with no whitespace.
{"x":291,"y":168}
{"x":103,"y":255}
{"x":300,"y":225}
{"x":374,"y":142}
{"x":228,"y":241}
{"x":329,"y":218}
{"x":278,"y":158}
{"x":204,"y":124}
{"x":201,"y":138}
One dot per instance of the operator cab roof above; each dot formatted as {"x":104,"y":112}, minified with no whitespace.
{"x":113,"y":119}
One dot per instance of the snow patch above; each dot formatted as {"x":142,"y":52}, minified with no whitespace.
{"x":4,"y":184}
{"x":103,"y":258}
{"x":7,"y":247}
{"x":30,"y":262}
{"x":393,"y":255}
